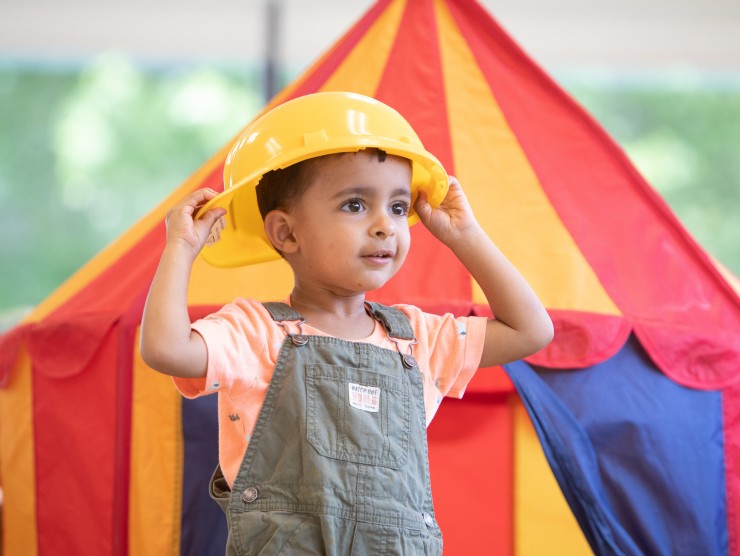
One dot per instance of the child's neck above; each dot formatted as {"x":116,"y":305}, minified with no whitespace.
{"x":342,"y":317}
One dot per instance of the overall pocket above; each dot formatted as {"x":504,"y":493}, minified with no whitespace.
{"x":358,"y":415}
{"x":277,"y":533}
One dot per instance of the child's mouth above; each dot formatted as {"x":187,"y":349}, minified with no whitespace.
{"x":379,"y":255}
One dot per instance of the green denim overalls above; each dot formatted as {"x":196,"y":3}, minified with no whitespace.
{"x":337,"y":463}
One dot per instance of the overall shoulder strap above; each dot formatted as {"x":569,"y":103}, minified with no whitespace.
{"x":281,"y":312}
{"x":395,"y":322}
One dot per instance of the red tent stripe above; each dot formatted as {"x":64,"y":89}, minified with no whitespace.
{"x":484,"y":492}
{"x":425,"y":108}
{"x":731,"y":426}
{"x":313,"y":80}
{"x":74,"y":436}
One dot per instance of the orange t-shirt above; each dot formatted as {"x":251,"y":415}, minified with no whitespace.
{"x":243,"y":343}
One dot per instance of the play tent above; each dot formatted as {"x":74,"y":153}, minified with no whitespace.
{"x":636,"y":402}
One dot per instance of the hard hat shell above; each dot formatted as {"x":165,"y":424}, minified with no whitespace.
{"x":303,"y":128}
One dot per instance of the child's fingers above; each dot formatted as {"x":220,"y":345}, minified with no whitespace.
{"x":192,"y":202}
{"x":197,"y":198}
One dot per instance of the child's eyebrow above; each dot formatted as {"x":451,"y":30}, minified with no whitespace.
{"x":369,"y":191}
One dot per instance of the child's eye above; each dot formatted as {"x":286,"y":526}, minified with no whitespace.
{"x":353,"y":205}
{"x":400,"y":208}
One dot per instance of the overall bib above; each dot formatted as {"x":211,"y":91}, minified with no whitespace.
{"x":337,"y":463}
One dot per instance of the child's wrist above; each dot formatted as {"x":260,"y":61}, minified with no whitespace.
{"x":464,"y":239}
{"x":181,"y":250}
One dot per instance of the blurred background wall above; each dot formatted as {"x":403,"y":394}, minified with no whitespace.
{"x":105,"y":107}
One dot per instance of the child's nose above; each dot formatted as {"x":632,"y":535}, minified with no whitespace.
{"x":382,"y":225}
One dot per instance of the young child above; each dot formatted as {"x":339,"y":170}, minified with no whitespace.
{"x":324,"y":400}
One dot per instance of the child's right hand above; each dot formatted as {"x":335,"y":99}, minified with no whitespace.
{"x":184,"y":229}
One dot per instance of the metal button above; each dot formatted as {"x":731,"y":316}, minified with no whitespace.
{"x":299,"y":339}
{"x":408,"y":361}
{"x":250,"y":494}
{"x":428,"y":519}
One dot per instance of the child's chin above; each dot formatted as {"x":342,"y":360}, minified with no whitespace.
{"x":377,"y":284}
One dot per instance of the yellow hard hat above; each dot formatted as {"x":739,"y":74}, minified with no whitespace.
{"x":303,"y":128}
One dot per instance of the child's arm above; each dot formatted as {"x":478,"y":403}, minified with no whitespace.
{"x":167,"y":343}
{"x":522,"y":326}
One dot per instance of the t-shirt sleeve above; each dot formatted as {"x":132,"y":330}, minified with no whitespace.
{"x":450,"y":346}
{"x":236,"y":337}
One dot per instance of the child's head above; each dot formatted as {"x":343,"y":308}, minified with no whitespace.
{"x":298,"y":137}
{"x":340,"y":220}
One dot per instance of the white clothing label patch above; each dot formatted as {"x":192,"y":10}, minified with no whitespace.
{"x":366,"y":398}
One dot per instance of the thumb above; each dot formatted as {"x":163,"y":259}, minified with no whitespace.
{"x":422,"y":206}
{"x":210,"y":217}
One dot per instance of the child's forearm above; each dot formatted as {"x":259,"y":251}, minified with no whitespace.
{"x":167,"y":343}
{"x":522,"y":325}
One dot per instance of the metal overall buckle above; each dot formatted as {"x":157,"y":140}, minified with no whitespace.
{"x":408,"y":359}
{"x":299,"y":339}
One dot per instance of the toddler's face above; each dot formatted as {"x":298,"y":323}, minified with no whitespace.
{"x":351,"y":224}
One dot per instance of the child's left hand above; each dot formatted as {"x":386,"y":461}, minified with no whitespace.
{"x":452,"y":219}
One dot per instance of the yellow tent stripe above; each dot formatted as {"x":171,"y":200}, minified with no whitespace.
{"x":362,"y":68}
{"x":156,"y":464}
{"x":543,"y":522}
{"x":17,"y":462}
{"x":504,"y":190}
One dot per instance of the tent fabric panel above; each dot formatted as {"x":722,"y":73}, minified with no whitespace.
{"x":471,"y":465}
{"x":656,"y":273}
{"x":75,"y":450}
{"x":156,"y":464}
{"x":490,"y":380}
{"x":731,"y":419}
{"x":204,"y":528}
{"x":670,"y":497}
{"x":505,"y":191}
{"x":543,"y":522}
{"x":63,"y":348}
{"x":17,"y":460}
{"x":701,"y":359}
{"x":582,"y":340}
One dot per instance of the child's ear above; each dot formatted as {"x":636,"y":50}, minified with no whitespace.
{"x":279,"y":230}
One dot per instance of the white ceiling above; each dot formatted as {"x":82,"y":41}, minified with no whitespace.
{"x":559,"y":34}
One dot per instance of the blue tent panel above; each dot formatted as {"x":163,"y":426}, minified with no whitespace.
{"x":640,"y":459}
